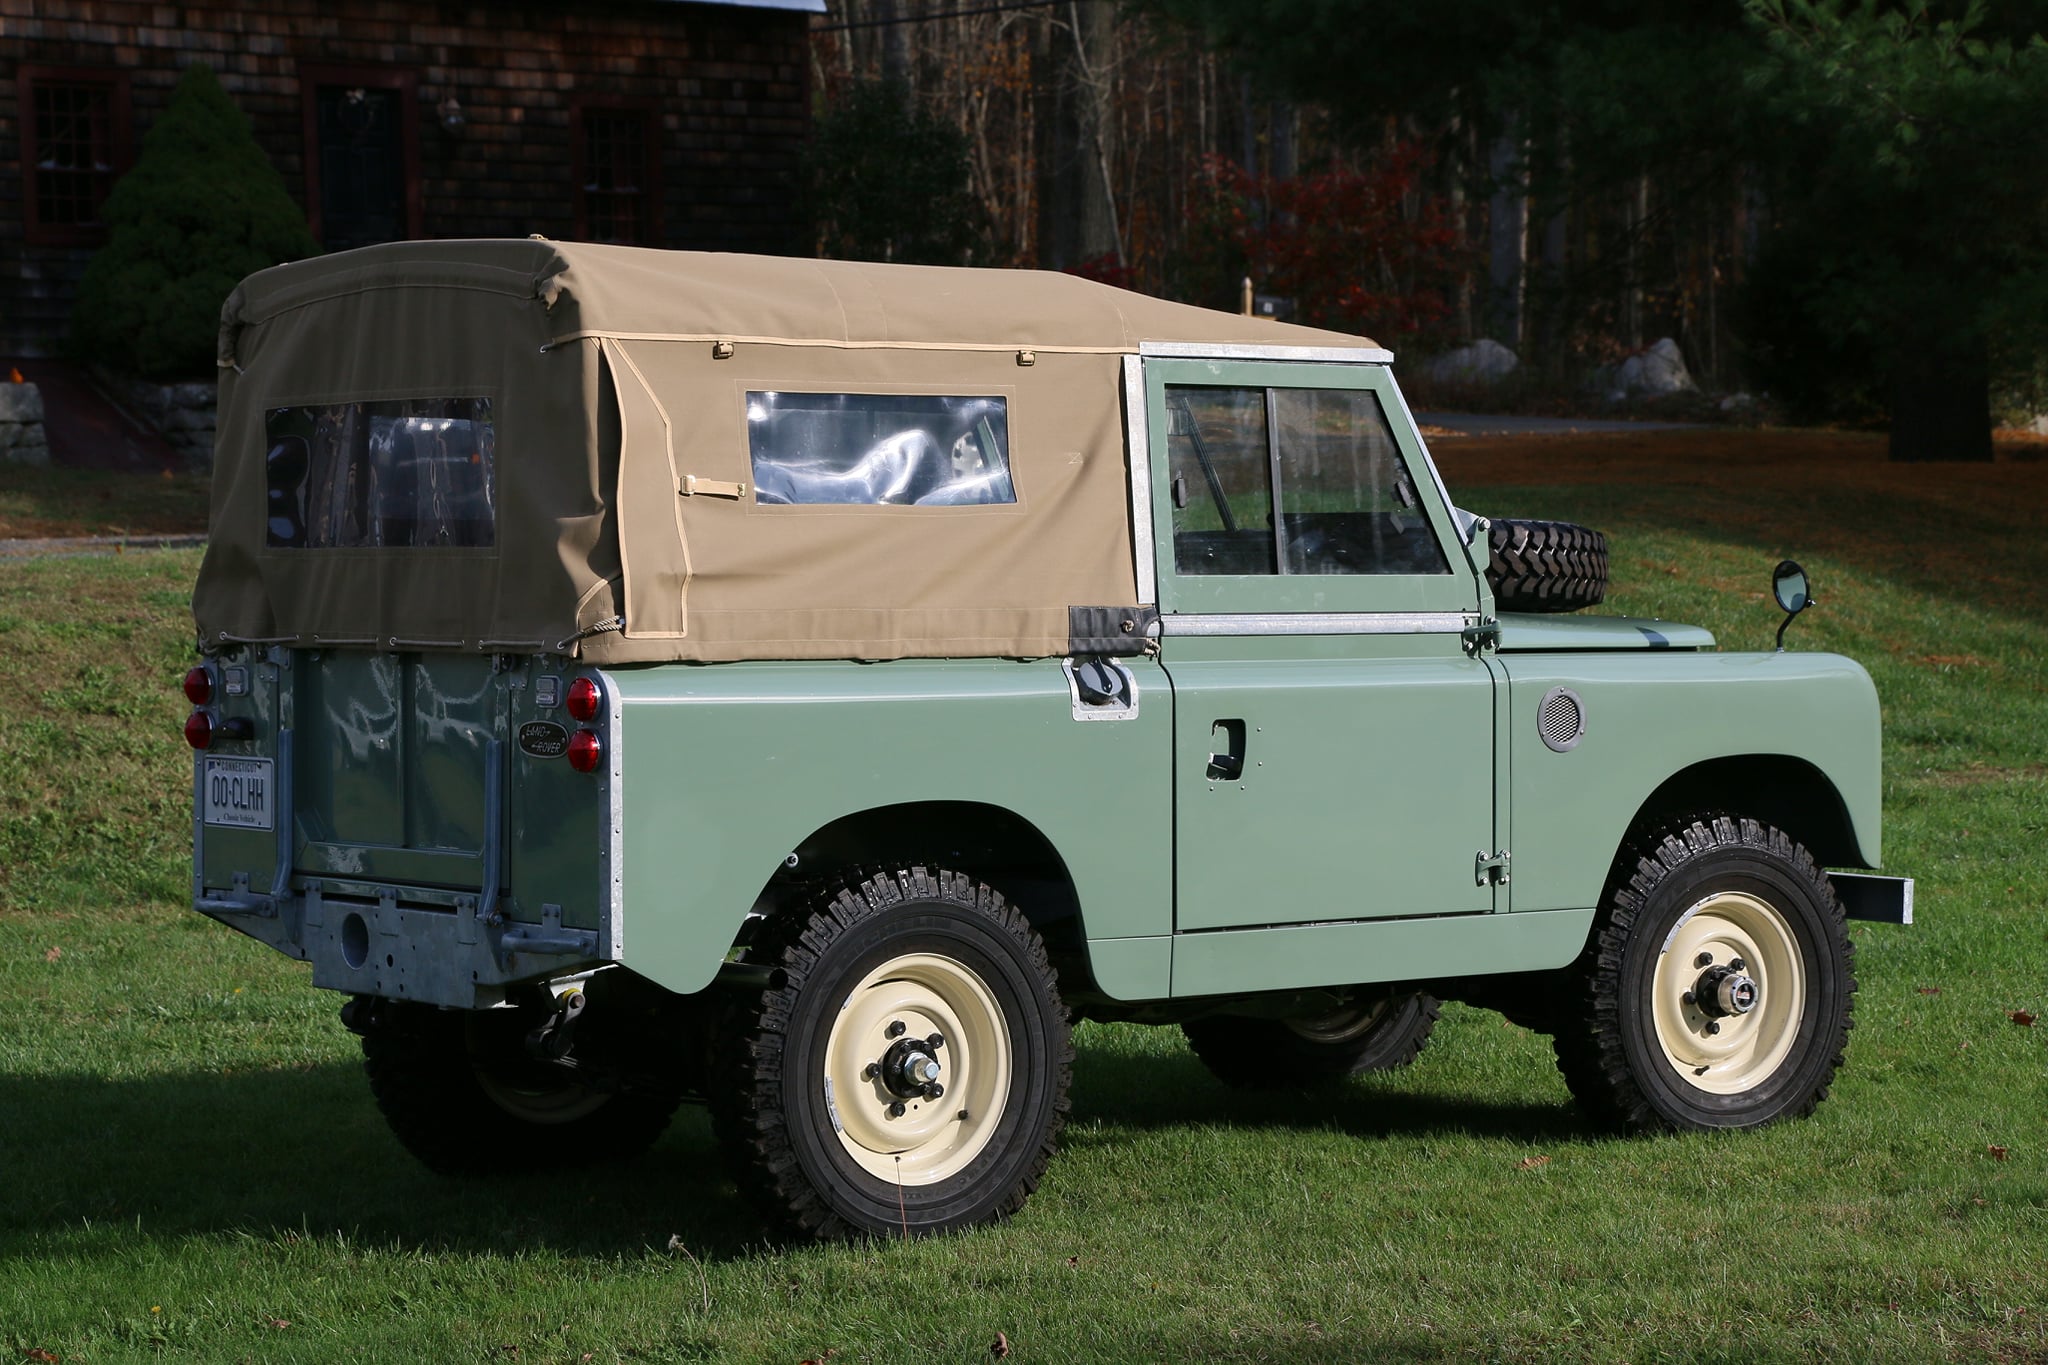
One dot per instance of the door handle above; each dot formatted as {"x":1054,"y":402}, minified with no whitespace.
{"x":1227,"y":766}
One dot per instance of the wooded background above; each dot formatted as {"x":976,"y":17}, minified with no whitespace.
{"x":1832,"y":199}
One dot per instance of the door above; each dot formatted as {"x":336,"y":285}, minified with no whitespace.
{"x":1334,"y":740}
{"x":362,"y":157}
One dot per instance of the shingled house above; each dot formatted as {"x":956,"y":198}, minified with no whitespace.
{"x":655,"y":122}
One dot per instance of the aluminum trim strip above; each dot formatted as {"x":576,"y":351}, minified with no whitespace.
{"x":1319,"y":623}
{"x":611,"y":943}
{"x":1322,"y":355}
{"x":1138,"y":448}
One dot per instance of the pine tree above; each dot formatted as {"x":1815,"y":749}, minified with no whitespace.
{"x":201,"y":208}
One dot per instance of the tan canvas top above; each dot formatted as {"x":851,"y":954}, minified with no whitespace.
{"x":624,"y":524}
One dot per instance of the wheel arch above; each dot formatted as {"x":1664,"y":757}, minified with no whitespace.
{"x":1777,"y":789}
{"x":989,"y":842}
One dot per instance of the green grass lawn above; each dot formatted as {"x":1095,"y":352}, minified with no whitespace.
{"x":193,"y":1168}
{"x":43,"y":501}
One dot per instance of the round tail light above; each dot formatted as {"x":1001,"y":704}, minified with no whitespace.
{"x":586,"y":751}
{"x":584,"y":698}
{"x":199,"y":686}
{"x":199,"y":730}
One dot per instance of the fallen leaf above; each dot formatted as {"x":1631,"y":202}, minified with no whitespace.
{"x":1073,"y":1260}
{"x":1530,"y":1163}
{"x":279,"y":1323}
{"x":56,"y":953}
{"x":2020,"y":1017}
{"x":1978,"y":1202}
{"x":1000,"y":1347}
{"x":1930,"y":990}
{"x":42,"y":1357}
{"x":1995,"y":1152}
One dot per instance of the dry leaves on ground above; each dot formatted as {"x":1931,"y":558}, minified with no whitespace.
{"x":1530,"y":1163}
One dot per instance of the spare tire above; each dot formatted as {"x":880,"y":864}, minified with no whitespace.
{"x":1545,"y":565}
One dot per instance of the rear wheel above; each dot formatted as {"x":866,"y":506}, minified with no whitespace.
{"x":1718,"y":988}
{"x":1281,"y":1054}
{"x":462,"y":1095}
{"x":907,"y":1073}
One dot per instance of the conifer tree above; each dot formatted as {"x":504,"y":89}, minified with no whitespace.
{"x":201,"y":208}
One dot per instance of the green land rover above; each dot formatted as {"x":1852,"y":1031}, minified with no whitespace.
{"x":804,"y":687}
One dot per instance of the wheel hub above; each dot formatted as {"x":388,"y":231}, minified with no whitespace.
{"x":1725,"y":990}
{"x":909,"y":1068}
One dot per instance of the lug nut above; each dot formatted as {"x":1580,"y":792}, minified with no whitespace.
{"x":870,"y":1071}
{"x":1713,"y":1027}
{"x":1738,"y":964}
{"x":934,"y":1090}
{"x":935,"y":1042}
{"x":896,"y":1109}
{"x":1703,"y":960}
{"x":1688,"y":998}
{"x":896,"y":1028}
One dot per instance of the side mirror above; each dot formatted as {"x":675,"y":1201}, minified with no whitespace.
{"x":1789,"y":586}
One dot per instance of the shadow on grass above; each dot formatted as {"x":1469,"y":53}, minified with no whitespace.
{"x":1152,"y":1092}
{"x":304,"y":1154}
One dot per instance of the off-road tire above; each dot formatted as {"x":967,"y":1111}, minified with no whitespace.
{"x":1688,"y":897}
{"x":1545,"y":565}
{"x":1290,"y":1054}
{"x":809,"y":1132}
{"x":460,"y":1102}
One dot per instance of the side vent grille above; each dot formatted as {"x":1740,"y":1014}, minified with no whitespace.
{"x":1561,"y":719}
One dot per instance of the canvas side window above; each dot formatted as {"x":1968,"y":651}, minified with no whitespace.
{"x":414,"y":474}
{"x":873,"y":449}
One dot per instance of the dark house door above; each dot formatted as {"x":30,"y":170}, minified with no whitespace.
{"x":362,"y":164}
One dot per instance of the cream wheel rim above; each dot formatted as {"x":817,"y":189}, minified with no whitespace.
{"x":542,"y":1105}
{"x":895,"y":1132}
{"x":1726,"y":936}
{"x":1339,"y":1026}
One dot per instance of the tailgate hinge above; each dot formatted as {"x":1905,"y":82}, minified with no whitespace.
{"x":1490,"y":869}
{"x":1480,"y":636}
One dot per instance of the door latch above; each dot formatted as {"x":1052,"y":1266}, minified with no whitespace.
{"x":1490,"y":869}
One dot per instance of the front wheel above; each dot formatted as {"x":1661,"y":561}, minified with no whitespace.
{"x":908,"y":1072}
{"x":1717,"y":991}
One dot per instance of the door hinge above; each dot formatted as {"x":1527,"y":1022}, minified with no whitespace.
{"x":1481,"y":635}
{"x":1490,"y":869}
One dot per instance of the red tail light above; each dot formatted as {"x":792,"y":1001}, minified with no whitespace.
{"x":586,"y":751}
{"x":584,"y":699}
{"x":199,"y":686}
{"x":199,"y":730}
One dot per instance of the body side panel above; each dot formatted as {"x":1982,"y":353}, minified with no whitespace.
{"x":1650,"y":715}
{"x":725,"y":769}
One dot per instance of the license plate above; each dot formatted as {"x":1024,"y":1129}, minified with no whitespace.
{"x":238,"y":792}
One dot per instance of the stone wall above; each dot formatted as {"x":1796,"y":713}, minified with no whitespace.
{"x":183,"y":414}
{"x":21,"y":424}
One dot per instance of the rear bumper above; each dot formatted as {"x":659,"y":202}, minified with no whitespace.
{"x":436,"y":955}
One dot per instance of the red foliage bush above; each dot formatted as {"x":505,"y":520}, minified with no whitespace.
{"x":1358,"y":250}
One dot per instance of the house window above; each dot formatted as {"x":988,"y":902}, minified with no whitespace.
{"x":362,"y":155}
{"x":75,"y":138}
{"x":617,"y":157}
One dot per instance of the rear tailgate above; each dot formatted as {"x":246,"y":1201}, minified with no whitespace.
{"x":407,"y":821}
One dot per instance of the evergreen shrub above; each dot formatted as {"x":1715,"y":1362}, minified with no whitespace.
{"x":201,"y":208}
